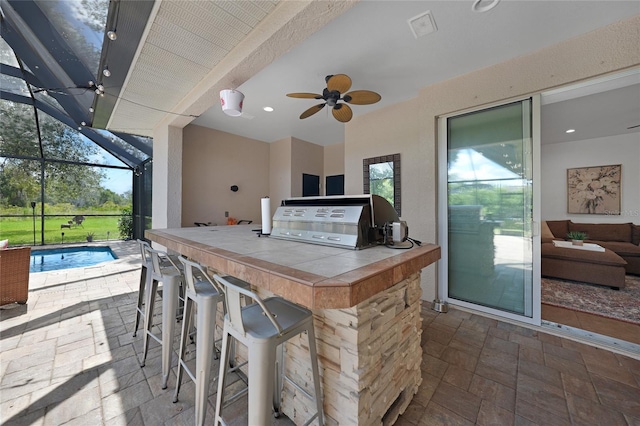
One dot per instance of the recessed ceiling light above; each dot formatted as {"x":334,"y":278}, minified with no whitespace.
{"x":268,"y":109}
{"x":570,"y":130}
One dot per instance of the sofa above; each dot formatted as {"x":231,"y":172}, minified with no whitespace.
{"x":621,"y":256}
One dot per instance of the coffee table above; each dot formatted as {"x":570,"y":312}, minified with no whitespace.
{"x":591,"y":265}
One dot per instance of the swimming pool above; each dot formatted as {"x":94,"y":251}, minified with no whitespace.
{"x":69,"y":257}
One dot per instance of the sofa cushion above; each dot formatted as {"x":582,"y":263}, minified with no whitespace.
{"x":546,"y":236}
{"x":559,"y":228}
{"x":623,"y":249}
{"x":635,"y":234}
{"x":604,"y":231}
{"x":608,"y":257}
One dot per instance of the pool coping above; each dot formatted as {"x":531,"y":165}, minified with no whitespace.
{"x":128,"y":260}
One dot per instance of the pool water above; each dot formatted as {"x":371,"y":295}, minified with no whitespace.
{"x":71,"y":257}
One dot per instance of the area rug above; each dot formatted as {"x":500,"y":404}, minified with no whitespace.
{"x":623,"y":304}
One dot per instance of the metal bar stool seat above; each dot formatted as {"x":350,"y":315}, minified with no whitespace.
{"x":171,"y":278}
{"x":201,"y":290}
{"x":262,"y":327}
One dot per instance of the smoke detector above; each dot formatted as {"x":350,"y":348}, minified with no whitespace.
{"x":422,"y":24}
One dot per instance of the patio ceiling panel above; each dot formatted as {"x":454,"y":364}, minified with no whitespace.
{"x":184,"y":43}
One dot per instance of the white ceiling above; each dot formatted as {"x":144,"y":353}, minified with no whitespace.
{"x":373,"y":44}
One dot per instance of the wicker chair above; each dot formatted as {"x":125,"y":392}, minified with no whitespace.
{"x":14,"y":275}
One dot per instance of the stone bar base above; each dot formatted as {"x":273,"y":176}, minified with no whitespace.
{"x":369,"y":358}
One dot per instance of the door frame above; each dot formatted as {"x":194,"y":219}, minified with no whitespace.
{"x":443,"y":228}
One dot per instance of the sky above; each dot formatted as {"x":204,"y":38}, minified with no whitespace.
{"x":470,"y":165}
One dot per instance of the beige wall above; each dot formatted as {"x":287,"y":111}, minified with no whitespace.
{"x":280,"y":172}
{"x":334,"y":160}
{"x":306,"y":158}
{"x":408,"y":128}
{"x":600,"y":52}
{"x":213,"y":161}
{"x":166,"y":204}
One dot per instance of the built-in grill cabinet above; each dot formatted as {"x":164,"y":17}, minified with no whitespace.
{"x":352,"y":222}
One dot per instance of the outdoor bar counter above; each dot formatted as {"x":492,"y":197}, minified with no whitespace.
{"x":366,"y":306}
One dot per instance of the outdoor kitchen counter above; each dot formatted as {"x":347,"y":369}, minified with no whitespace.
{"x":366,"y":309}
{"x":315,"y":276}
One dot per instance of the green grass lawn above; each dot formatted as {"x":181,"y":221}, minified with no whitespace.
{"x":19,"y":231}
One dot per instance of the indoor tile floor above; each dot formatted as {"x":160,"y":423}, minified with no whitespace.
{"x":68,"y":357}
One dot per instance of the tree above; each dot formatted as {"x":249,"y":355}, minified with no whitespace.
{"x":64,"y":182}
{"x":381,"y":180}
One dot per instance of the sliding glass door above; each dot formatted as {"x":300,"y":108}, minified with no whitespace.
{"x":488,"y":211}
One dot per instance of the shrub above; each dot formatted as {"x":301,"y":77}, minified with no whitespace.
{"x":125,"y":223}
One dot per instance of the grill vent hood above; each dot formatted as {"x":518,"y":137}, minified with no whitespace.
{"x":353,"y":222}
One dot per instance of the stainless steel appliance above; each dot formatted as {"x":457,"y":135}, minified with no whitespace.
{"x":354,"y":222}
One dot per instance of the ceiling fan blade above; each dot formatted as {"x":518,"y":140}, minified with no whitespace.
{"x":362,"y":97}
{"x":339,"y":82}
{"x":312,"y":110}
{"x":305,"y":95}
{"x":342,"y":112}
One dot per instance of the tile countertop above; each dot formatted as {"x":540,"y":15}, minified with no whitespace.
{"x":315,"y":276}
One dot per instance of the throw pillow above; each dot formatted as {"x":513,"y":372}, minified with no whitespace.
{"x":4,"y":244}
{"x":546,"y":236}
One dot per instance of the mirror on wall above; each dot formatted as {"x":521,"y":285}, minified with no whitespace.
{"x":381,"y":176}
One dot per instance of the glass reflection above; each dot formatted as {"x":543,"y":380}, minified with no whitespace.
{"x":81,"y":23}
{"x":381,"y":180}
{"x":381,"y":176}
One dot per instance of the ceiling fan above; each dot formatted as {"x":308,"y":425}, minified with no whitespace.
{"x":337,"y":85}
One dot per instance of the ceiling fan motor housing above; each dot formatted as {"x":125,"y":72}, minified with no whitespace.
{"x":332,"y":97}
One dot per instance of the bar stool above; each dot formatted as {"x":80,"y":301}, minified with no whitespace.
{"x":171,"y":278}
{"x":202,"y":291}
{"x":263,"y":326}
{"x":146,"y":265}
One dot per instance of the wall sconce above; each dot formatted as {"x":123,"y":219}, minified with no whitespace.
{"x":234,"y":188}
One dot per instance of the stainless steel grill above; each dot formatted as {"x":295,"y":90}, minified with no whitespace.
{"x":341,"y":221}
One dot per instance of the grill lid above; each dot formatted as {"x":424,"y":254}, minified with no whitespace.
{"x":339,"y":221}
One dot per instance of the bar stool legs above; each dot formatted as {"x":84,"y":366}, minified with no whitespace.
{"x":141,"y":292}
{"x":171,"y":278}
{"x":145,"y":265}
{"x":205,"y":353}
{"x":263,"y":327}
{"x":206,"y":295}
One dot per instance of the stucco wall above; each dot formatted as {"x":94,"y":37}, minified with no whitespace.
{"x":603,"y":51}
{"x":167,"y":177}
{"x":306,"y":158}
{"x":557,"y":158}
{"x":334,"y":160}
{"x":280,"y":172}
{"x":213,"y":161}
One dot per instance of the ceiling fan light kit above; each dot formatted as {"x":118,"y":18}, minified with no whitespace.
{"x":337,"y":85}
{"x":231,"y":102}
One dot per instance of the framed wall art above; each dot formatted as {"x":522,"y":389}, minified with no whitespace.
{"x":594,"y":190}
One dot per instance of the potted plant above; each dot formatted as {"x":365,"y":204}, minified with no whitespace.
{"x":577,"y":237}
{"x":90,"y":236}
